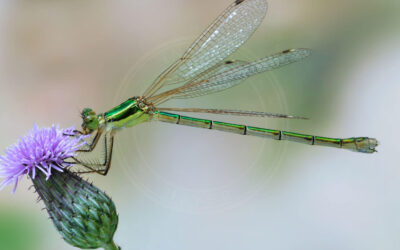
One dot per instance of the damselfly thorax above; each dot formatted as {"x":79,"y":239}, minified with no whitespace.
{"x":203,"y":69}
{"x":128,"y":114}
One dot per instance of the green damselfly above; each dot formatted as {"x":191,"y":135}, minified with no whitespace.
{"x":202,"y":70}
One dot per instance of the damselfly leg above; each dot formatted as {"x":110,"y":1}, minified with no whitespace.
{"x":99,"y":165}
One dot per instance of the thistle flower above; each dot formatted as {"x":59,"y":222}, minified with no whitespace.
{"x":41,"y":150}
{"x":84,"y":215}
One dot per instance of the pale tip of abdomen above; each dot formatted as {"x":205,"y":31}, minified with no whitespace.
{"x":367,"y":145}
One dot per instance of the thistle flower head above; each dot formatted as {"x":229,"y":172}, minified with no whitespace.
{"x":41,"y":150}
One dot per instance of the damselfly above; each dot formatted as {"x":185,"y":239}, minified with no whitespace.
{"x":203,"y":70}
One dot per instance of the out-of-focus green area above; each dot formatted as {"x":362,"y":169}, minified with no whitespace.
{"x":18,"y":230}
{"x":186,"y":188}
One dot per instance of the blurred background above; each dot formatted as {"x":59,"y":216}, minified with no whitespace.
{"x":186,"y":188}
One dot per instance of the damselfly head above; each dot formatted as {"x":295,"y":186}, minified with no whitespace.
{"x":90,"y":121}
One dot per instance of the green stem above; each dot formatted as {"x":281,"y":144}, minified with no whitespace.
{"x":111,"y":246}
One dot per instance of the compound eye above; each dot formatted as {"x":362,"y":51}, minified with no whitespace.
{"x":87,"y":112}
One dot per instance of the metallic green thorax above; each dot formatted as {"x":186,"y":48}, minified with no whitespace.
{"x":127,"y":114}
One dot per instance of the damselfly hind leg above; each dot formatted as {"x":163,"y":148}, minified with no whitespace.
{"x":97,"y":165}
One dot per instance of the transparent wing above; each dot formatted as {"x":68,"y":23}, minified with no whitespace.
{"x":232,"y":112}
{"x":225,"y":35}
{"x":232,"y":76}
{"x":218,"y":69}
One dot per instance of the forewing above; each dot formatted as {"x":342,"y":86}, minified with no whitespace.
{"x":232,"y":112}
{"x":210,"y":74}
{"x":233,"y":76}
{"x":225,"y":35}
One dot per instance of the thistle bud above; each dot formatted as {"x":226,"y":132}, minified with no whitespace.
{"x":84,"y":215}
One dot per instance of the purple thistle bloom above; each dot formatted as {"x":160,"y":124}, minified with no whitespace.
{"x":41,"y":149}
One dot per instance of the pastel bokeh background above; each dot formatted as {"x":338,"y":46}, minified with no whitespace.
{"x":187,"y":188}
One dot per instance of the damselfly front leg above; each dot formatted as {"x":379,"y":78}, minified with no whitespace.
{"x":90,"y":146}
